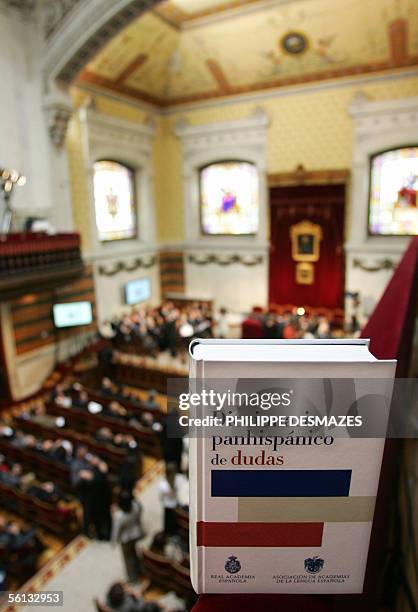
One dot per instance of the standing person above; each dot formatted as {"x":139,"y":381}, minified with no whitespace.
{"x":82,"y":476}
{"x":127,"y":530}
{"x":102,"y":500}
{"x":222,"y":324}
{"x":171,"y":440}
{"x":168,"y":495}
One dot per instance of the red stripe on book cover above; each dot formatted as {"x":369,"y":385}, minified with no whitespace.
{"x":259,"y":534}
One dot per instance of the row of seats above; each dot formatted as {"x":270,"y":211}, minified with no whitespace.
{"x":114,"y":457}
{"x":62,"y":523}
{"x":90,"y":423}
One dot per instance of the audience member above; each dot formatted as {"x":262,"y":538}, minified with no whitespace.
{"x":121,"y":598}
{"x":127,"y":530}
{"x":151,"y":402}
{"x":168,"y":489}
{"x":82,"y":476}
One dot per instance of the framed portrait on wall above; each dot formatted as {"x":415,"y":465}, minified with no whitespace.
{"x":306,"y":238}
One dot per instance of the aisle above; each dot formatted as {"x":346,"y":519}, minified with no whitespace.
{"x":85,"y":577}
{"x":85,"y":569}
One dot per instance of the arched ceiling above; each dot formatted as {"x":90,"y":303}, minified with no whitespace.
{"x":189,"y":50}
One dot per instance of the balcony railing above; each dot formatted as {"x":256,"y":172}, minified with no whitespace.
{"x":26,"y":258}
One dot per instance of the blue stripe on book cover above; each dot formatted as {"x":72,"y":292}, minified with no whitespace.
{"x":280,"y":483}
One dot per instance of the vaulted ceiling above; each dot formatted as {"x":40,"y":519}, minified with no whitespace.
{"x":190,"y":50}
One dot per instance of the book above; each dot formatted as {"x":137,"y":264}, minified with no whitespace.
{"x":273,"y":513}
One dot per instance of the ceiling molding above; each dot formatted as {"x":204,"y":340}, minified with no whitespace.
{"x":301,"y":176}
{"x":229,"y":9}
{"x":302,"y":89}
{"x":77,"y":40}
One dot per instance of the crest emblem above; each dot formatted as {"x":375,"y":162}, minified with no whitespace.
{"x":232,"y":565}
{"x":313,"y":565}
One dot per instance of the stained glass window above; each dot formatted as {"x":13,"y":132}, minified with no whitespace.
{"x":393,"y":208}
{"x":229,"y":194}
{"x":114,"y":201}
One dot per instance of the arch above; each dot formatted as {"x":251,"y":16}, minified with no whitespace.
{"x":75,"y":35}
{"x":115,"y":203}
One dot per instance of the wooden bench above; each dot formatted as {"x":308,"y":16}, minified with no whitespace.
{"x":32,"y":461}
{"x":86,"y":422}
{"x":136,"y":409}
{"x":114,"y":457}
{"x":46,"y":515}
{"x":167,"y":575}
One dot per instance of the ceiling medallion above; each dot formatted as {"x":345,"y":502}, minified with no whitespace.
{"x":294,"y":43}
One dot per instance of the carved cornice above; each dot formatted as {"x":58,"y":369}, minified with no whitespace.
{"x":248,"y":131}
{"x":58,"y":116}
{"x":121,"y":266}
{"x":301,"y":176}
{"x":105,"y":129}
{"x":382,"y":115}
{"x":383,"y":264}
{"x":213,"y":258}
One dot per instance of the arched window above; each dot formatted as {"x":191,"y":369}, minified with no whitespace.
{"x":114,"y":200}
{"x":393,"y":206}
{"x":229,"y":198}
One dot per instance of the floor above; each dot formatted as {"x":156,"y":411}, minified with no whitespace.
{"x":87,"y":572}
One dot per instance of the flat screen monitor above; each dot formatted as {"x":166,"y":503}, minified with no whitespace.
{"x":137,"y":291}
{"x":72,"y":314}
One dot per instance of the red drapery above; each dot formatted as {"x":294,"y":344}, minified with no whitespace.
{"x":323,"y":205}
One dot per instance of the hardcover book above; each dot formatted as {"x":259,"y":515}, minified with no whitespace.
{"x":286,"y":508}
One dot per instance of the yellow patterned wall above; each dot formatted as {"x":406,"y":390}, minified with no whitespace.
{"x":168,"y":180}
{"x":77,"y":169}
{"x":309,"y":128}
{"x":78,"y":180}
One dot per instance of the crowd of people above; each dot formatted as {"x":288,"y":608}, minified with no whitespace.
{"x":13,"y":475}
{"x":20,"y":548}
{"x":287,"y":326}
{"x":105,"y":501}
{"x":163,"y":328}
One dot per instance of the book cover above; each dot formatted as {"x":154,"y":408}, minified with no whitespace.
{"x":272,"y":513}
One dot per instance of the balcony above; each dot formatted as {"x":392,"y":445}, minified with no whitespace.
{"x":37,"y":260}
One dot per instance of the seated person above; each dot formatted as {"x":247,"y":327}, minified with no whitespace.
{"x":7,"y":433}
{"x":151,"y":402}
{"x":81,"y":401}
{"x":62,"y":399}
{"x":120,"y":598}
{"x":159,"y":543}
{"x":104,"y":435}
{"x":146,"y":420}
{"x":124,"y":393}
{"x":46,"y":448}
{"x":62,"y":451}
{"x":106,"y":386}
{"x":12,"y":477}
{"x":47,"y":492}
{"x":125,"y":441}
{"x":56,"y":391}
{"x":116,"y":410}
{"x":20,"y":538}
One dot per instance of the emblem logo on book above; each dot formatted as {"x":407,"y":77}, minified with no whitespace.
{"x":232,"y":565}
{"x":313,"y":565}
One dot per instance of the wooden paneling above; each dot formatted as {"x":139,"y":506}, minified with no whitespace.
{"x":32,"y":321}
{"x":172,"y":272}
